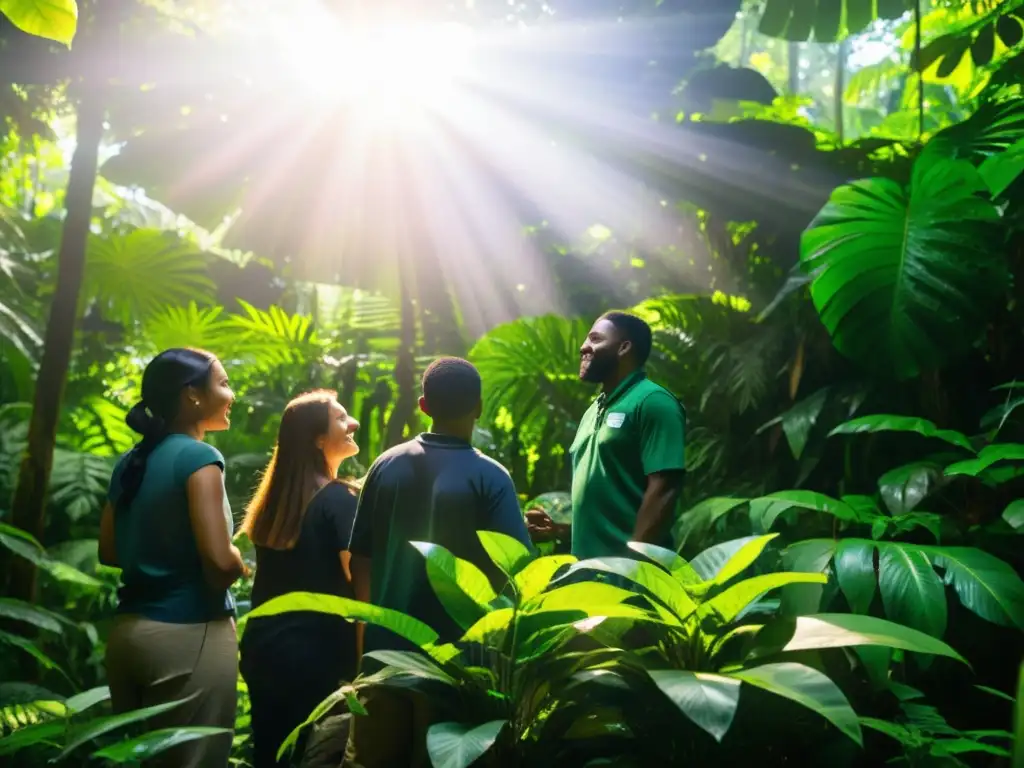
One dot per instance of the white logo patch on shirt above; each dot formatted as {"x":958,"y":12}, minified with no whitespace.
{"x":615,"y":420}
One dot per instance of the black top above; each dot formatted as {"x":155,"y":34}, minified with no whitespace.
{"x":434,"y":488}
{"x":313,"y":564}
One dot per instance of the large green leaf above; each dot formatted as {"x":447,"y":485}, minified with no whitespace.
{"x":1002,"y":169}
{"x":25,"y":545}
{"x":38,"y":733}
{"x":903,"y":488}
{"x":507,"y":553}
{"x":535,"y":577}
{"x":731,"y":603}
{"x":413,"y":663}
{"x":826,"y":21}
{"x":698,"y":521}
{"x":884,"y":422}
{"x":807,"y":687}
{"x":680,"y":570}
{"x":93,"y":729}
{"x":1014,"y":514}
{"x":985,"y":584}
{"x":809,"y":556}
{"x":912,"y":592}
{"x":651,"y":577}
{"x":841,"y":630}
{"x":709,"y":563}
{"x":52,"y":19}
{"x":457,"y":745}
{"x":413,"y":630}
{"x":743,"y":559}
{"x":20,"y":610}
{"x":855,"y":572}
{"x":906,"y":278}
{"x":799,"y":420}
{"x":149,"y":745}
{"x":988,"y":456}
{"x":709,"y":700}
{"x":462,"y":588}
{"x":768,"y":508}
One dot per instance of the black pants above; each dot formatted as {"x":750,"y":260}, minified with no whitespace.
{"x":291,"y":663}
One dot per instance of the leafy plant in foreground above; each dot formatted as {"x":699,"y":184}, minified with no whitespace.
{"x":500,"y":682}
{"x":695,"y":657}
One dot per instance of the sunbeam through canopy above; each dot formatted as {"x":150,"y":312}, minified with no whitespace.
{"x":414,"y":149}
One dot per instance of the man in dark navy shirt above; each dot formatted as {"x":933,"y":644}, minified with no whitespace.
{"x":436,"y":488}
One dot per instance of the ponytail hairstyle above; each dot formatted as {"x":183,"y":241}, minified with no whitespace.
{"x":162,"y":383}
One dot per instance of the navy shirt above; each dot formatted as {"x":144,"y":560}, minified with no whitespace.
{"x":438,"y":489}
{"x":161,"y":570}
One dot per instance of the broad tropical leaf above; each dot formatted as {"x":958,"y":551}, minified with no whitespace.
{"x":454,"y":745}
{"x":462,"y":588}
{"x":709,"y":563}
{"x":19,"y":610}
{"x":884,"y":257}
{"x":709,"y":700}
{"x":52,"y":19}
{"x":842,"y":630}
{"x":535,"y":577}
{"x":883,"y":422}
{"x":650,"y":577}
{"x":149,"y":745}
{"x":507,"y":553}
{"x":731,"y":603}
{"x":808,"y":687}
{"x":985,"y":584}
{"x":855,"y":572}
{"x":826,"y":21}
{"x":988,"y":456}
{"x":912,"y":592}
{"x":677,"y":567}
{"x":903,"y":488}
{"x":413,"y":630}
{"x":809,"y":556}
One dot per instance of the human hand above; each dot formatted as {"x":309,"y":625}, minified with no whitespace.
{"x":542,"y":528}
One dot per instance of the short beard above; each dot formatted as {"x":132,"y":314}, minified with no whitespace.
{"x":598,"y":370}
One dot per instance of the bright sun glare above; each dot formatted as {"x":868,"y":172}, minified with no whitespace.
{"x":383,"y":70}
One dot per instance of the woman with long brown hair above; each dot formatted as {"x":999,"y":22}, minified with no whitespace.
{"x":299,"y":520}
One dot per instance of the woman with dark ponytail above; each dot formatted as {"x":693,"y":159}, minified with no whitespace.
{"x":168,"y":526}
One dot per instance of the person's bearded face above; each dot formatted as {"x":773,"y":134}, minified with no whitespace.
{"x":599,"y":354}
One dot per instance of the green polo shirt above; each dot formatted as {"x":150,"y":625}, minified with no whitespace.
{"x":635,"y":431}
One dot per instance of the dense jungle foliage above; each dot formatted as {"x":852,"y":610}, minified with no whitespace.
{"x":817,"y":204}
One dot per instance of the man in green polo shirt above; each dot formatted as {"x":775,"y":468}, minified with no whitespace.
{"x":628,"y":457}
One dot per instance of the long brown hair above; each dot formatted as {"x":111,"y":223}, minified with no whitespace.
{"x":274,"y":516}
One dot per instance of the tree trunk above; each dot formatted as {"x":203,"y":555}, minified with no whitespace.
{"x":34,"y":473}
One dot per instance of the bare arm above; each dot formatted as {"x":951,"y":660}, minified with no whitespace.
{"x":361,"y":572}
{"x":108,"y":551}
{"x":658,"y":505}
{"x":346,"y":565}
{"x":222,"y":562}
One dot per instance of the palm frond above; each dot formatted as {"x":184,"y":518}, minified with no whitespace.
{"x":134,"y":276}
{"x":530,"y":369}
{"x":79,"y":482}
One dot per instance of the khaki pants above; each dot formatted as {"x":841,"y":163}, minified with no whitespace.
{"x":393,"y":733}
{"x":151,"y":662}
